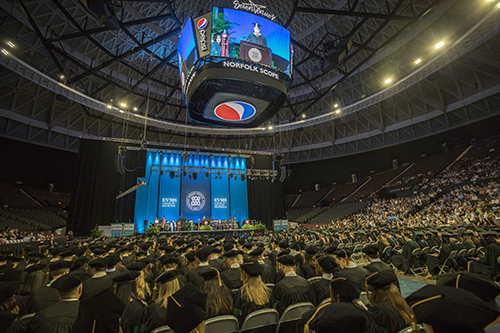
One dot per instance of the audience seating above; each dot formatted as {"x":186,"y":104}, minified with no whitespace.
{"x":304,"y":215}
{"x":291,"y":316}
{"x":163,"y":329}
{"x":47,"y":198}
{"x":262,"y":321}
{"x":311,"y":198}
{"x":336,"y":212}
{"x":409,"y":329}
{"x":222,"y":324}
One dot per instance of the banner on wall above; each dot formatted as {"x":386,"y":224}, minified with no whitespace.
{"x":195,"y":193}
{"x":121,"y":229}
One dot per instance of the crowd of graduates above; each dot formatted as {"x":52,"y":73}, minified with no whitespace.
{"x":137,"y":284}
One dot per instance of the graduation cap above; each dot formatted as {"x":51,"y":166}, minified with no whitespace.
{"x":371,"y":251}
{"x":345,"y":288}
{"x":8,"y":289}
{"x":480,"y":285}
{"x":34,"y":268}
{"x":203,"y":253}
{"x":432,"y":305}
{"x":78,"y":263}
{"x":67,"y":253}
{"x":60,"y":264}
{"x":283,"y":253}
{"x":168,"y":276}
{"x":342,"y":253}
{"x":80,"y":251}
{"x":287,"y":260}
{"x":283,"y":245}
{"x":379,"y":280}
{"x":6,"y":252}
{"x":137,"y":266}
{"x":99,"y":251}
{"x":211,"y":273}
{"x":146,"y":260}
{"x":257,"y":252}
{"x":35,"y":254}
{"x":248,"y":246}
{"x":9,"y":273}
{"x":231,"y":254}
{"x":339,"y":317}
{"x":186,"y":309}
{"x":98,"y":263}
{"x":330,"y":250}
{"x":252,"y":267}
{"x":169,"y":260}
{"x":327,"y":263}
{"x":311,"y":249}
{"x":167,"y":248}
{"x":68,"y":282}
{"x":257,"y":24}
{"x":190,"y":256}
{"x":228,"y":247}
{"x":125,"y":277}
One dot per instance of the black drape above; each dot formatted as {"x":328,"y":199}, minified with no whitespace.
{"x":266,"y":200}
{"x":93,"y":199}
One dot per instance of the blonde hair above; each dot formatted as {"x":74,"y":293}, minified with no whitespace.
{"x":143,"y":291}
{"x":166,"y":290}
{"x":391,"y":293}
{"x":254,"y":290}
{"x":199,"y":329}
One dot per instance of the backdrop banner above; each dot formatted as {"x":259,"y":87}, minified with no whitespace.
{"x":195,"y":194}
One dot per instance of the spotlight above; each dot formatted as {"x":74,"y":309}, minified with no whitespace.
{"x":121,"y":111}
{"x":243,"y":178}
{"x":336,"y":105}
{"x":109,"y":106}
{"x":184,"y":174}
{"x":172,"y":174}
{"x":195,"y":175}
{"x":10,"y":44}
{"x":418,"y":61}
{"x":4,"y":51}
{"x":123,"y":105}
{"x":303,"y":115}
{"x":337,"y":111}
{"x":498,"y":5}
{"x":388,"y":81}
{"x":230,"y":175}
{"x":270,"y":128}
{"x":207,"y":174}
{"x":135,"y":109}
{"x":61,"y":77}
{"x":189,"y":176}
{"x":440,"y":44}
{"x":161,"y":173}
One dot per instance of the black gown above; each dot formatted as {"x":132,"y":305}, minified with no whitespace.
{"x":356,"y":274}
{"x":387,"y":317}
{"x":232,"y":278}
{"x":291,"y":290}
{"x":57,"y":318}
{"x":321,"y":290}
{"x":156,"y":315}
{"x":134,"y":317}
{"x":241,"y":307}
{"x":42,"y":298}
{"x":194,"y":276}
{"x":6,"y":319}
{"x":488,"y":266}
{"x":307,"y":271}
{"x":94,"y":286}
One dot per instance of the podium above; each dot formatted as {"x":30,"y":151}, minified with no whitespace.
{"x":254,"y":52}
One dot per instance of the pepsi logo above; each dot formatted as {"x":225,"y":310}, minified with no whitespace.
{"x":202,"y":23}
{"x":235,"y":111}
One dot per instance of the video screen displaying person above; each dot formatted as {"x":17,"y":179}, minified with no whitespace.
{"x":186,"y":52}
{"x":264,"y":41}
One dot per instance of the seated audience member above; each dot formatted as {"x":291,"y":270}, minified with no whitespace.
{"x":33,"y":280}
{"x":186,"y":310}
{"x":220,"y":299}
{"x":269,"y":273}
{"x":388,"y":306}
{"x":445,"y":309}
{"x":45,"y":295}
{"x":99,"y":280}
{"x":337,"y":318}
{"x":349,"y":269}
{"x":143,"y":290}
{"x":133,"y":317}
{"x":168,"y":284}
{"x":343,"y":290}
{"x":253,"y":295}
{"x":232,"y":275}
{"x":292,"y":288}
{"x":8,"y":307}
{"x":60,"y":317}
{"x":322,"y":287}
{"x":202,"y":255}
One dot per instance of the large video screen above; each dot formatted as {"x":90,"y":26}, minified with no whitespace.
{"x":242,"y":35}
{"x":186,"y":52}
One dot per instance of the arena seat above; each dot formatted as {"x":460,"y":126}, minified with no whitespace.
{"x":222,"y":324}
{"x":291,"y":316}
{"x":264,"y":321}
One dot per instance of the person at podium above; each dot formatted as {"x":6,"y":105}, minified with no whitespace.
{"x":256,"y":37}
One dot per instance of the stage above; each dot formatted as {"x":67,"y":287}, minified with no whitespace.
{"x":209,"y":233}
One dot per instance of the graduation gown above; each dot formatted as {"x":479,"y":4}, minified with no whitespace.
{"x":155,"y":316}
{"x":94,"y":286}
{"x":232,"y":278}
{"x":356,"y":274}
{"x":217,"y":263}
{"x":387,"y":317}
{"x":307,"y":271}
{"x":6,"y":319}
{"x":42,"y":298}
{"x":433,"y":262}
{"x":404,"y":260}
{"x":489,"y":266}
{"x":134,"y":317}
{"x":269,"y":274}
{"x":241,"y":307}
{"x":321,"y":290}
{"x":194,"y":276}
{"x":57,"y":318}
{"x":291,"y":290}
{"x":261,"y":40}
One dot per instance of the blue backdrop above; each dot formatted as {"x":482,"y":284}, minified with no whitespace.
{"x":166,"y":197}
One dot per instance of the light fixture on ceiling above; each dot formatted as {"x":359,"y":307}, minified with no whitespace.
{"x":336,"y":105}
{"x":418,"y":61}
{"x":270,"y":128}
{"x":109,"y":106}
{"x":4,"y":51}
{"x":61,"y":77}
{"x":123,"y":105}
{"x":10,"y":44}
{"x":439,"y":45}
{"x":388,"y":81}
{"x":135,"y":109}
{"x":303,"y":115}
{"x":337,"y":111}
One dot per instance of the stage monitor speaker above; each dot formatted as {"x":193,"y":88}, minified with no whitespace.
{"x":141,"y":163}
{"x":120,"y":159}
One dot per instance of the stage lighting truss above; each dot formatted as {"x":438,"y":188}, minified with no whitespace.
{"x":250,"y":174}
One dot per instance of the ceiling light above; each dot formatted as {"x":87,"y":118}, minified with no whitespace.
{"x":303,"y":115}
{"x":121,"y":111}
{"x":109,"y":106}
{"x":263,"y":128}
{"x":418,"y":61}
{"x":498,"y":5}
{"x":440,"y":44}
{"x":123,"y":105}
{"x":388,"y":81}
{"x":4,"y":51}
{"x":61,"y":77}
{"x":135,"y":109}
{"x":10,"y":44}
{"x":337,"y":111}
{"x":336,"y":106}
{"x":270,"y":128}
